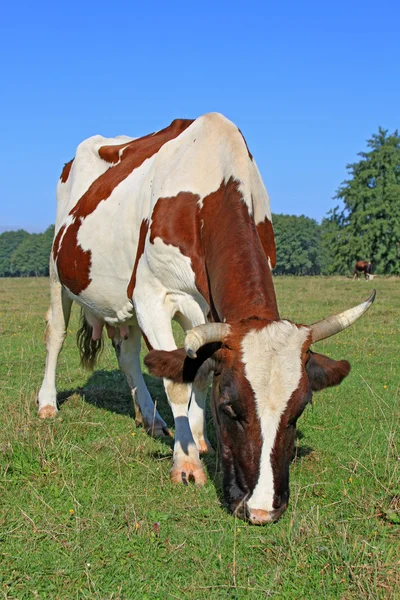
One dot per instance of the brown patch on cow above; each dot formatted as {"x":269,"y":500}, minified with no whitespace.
{"x":266,"y":234}
{"x":182,"y":229}
{"x":144,"y":227}
{"x":73,"y":263}
{"x":237,"y":267}
{"x":362,"y":264}
{"x":225,"y":250}
{"x":66,"y":170}
{"x":146,"y":340}
{"x":56,"y":243}
{"x":247,"y":148}
{"x":111,"y":153}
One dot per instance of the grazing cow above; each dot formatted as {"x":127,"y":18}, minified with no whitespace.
{"x":363,"y":266}
{"x":177,"y":225}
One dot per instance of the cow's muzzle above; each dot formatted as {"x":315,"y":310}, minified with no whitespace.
{"x":258,"y":516}
{"x":262,"y":517}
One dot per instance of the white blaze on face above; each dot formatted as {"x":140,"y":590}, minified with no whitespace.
{"x":272,"y":361}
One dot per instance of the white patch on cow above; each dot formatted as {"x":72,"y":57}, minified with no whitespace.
{"x":261,"y":203}
{"x":272,"y":360}
{"x":165,"y":285}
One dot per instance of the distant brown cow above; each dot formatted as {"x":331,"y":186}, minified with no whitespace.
{"x":363,"y":266}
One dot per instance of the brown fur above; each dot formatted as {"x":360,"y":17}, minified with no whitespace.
{"x":73,"y":263}
{"x":233,"y":249}
{"x":266,"y":234}
{"x":56,"y":243}
{"x":111,"y":154}
{"x":324,"y":372}
{"x":66,"y":171}
{"x":144,"y":226}
{"x":176,"y":365}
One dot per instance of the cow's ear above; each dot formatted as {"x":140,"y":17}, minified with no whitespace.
{"x":176,"y":365}
{"x":324,"y":372}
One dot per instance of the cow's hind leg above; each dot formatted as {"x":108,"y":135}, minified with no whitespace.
{"x":128,"y":355}
{"x":57,"y":322}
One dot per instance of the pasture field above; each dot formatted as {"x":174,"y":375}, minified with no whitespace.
{"x":87,"y":510}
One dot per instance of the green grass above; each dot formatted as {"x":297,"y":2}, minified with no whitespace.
{"x":87,"y":509}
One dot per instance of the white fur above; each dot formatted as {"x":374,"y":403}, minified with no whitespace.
{"x":272,"y":359}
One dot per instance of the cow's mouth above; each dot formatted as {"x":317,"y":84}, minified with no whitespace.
{"x":257,"y":516}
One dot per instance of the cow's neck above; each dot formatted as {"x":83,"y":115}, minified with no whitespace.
{"x":238,"y":274}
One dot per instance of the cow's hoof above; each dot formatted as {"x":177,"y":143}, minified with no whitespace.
{"x":186,"y":472}
{"x":204,"y":447}
{"x":158,"y":430}
{"x":47,"y":412}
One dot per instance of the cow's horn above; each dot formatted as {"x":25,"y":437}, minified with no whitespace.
{"x":204,"y":334}
{"x":336,"y":323}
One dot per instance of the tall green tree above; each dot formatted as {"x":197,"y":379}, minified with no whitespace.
{"x":298,"y":245}
{"x":368,"y":225}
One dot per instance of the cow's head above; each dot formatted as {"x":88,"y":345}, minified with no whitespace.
{"x":264,"y":374}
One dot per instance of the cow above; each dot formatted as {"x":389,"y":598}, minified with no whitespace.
{"x":176,"y":225}
{"x":363,"y":266}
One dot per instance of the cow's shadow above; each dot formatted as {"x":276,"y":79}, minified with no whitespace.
{"x":108,"y":390}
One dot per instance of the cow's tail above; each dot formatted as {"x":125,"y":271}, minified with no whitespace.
{"x":89,"y":349}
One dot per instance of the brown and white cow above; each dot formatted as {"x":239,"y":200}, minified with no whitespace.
{"x":177,"y":225}
{"x":363,"y":266}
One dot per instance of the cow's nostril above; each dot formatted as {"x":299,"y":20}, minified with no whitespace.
{"x":261,"y":517}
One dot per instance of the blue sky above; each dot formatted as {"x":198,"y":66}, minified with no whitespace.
{"x":307,"y":83}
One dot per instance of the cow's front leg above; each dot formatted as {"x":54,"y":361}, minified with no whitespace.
{"x":197,"y":418}
{"x":186,"y":466}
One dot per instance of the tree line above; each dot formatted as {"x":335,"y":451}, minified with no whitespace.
{"x":366,"y":226}
{"x":24,"y":254}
